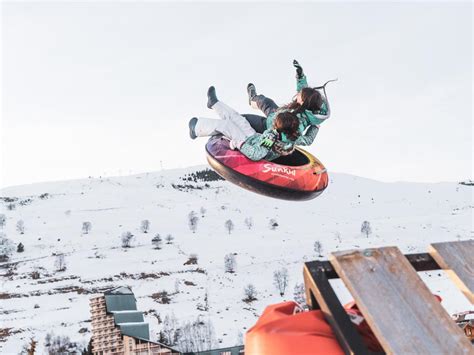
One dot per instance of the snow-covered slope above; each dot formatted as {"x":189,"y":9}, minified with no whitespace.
{"x":408,"y":215}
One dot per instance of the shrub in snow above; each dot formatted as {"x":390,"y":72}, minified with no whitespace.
{"x":126,"y":239}
{"x":86,"y":227}
{"x":318,"y":248}
{"x":20,"y":226}
{"x":229,"y":225}
{"x":230,"y":263}
{"x":169,"y":239}
{"x":20,"y":248}
{"x":280,"y":280}
{"x":273,"y":224}
{"x":193,"y":260}
{"x":60,"y":263}
{"x":203,"y":211}
{"x":366,"y":228}
{"x":6,"y":247}
{"x":249,"y":222}
{"x":192,"y":221}
{"x":157,"y":241}
{"x":145,"y":226}
{"x":3,"y":220}
{"x":250,"y":293}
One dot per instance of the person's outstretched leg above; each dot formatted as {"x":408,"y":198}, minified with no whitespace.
{"x":205,"y":127}
{"x":229,"y":114}
{"x":260,"y":102}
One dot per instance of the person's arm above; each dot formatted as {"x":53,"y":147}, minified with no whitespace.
{"x":308,"y":137}
{"x":301,"y":81}
{"x":253,"y":151}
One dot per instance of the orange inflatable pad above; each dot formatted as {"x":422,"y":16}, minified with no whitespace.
{"x":281,"y":331}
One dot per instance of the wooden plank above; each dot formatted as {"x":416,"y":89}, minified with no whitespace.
{"x":457,"y":258}
{"x":402,"y":312}
{"x":320,"y":295}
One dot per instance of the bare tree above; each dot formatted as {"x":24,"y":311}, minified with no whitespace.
{"x":318,"y":248}
{"x":196,"y":336}
{"x":250,"y":293}
{"x":229,"y":225}
{"x":157,"y":241}
{"x":6,"y":247}
{"x":249,"y":222}
{"x":145,"y":226}
{"x":230,"y":263}
{"x":280,"y":280}
{"x":193,"y":221}
{"x":20,"y":226}
{"x":86,"y":227}
{"x":203,"y":211}
{"x":169,"y":239}
{"x":366,"y":228}
{"x":273,"y":224}
{"x":60,"y":263}
{"x":299,"y":294}
{"x":30,"y":347}
{"x":169,"y":332}
{"x":3,"y":220}
{"x":59,"y":345}
{"x":126,"y":238}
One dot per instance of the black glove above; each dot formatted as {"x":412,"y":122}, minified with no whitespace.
{"x":299,"y":69}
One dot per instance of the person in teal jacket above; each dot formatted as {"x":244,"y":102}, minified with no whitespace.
{"x":267,"y":145}
{"x":309,"y":105}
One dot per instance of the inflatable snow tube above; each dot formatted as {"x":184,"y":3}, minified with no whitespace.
{"x":296,"y":177}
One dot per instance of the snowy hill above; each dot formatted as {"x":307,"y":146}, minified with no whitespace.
{"x":36,"y":298}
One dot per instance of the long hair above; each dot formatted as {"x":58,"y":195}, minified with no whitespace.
{"x":287,"y":122}
{"x":312,"y":101}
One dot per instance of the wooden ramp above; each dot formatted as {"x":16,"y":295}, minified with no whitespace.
{"x":402,"y":312}
{"x":457,"y":258}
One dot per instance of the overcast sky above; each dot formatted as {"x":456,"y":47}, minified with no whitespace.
{"x":108,"y":88}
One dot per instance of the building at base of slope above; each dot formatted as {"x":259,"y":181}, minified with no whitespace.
{"x":119,"y":328}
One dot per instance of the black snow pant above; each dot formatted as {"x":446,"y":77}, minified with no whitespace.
{"x":267,"y":106}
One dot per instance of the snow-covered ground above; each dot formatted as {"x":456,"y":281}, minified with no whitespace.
{"x":408,"y":215}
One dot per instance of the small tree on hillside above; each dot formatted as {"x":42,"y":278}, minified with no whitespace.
{"x":145,"y":226}
{"x":229,"y":225}
{"x":3,"y":220}
{"x":169,"y":239}
{"x":318,"y":248}
{"x":60,"y":263}
{"x":273,"y":224}
{"x":248,"y":222}
{"x":280,"y":280}
{"x":366,"y":228}
{"x":20,"y":248}
{"x":157,"y":241}
{"x":6,"y":247}
{"x":86,"y":227}
{"x":250,"y":293}
{"x":230,"y":263}
{"x":192,"y":221}
{"x":203,"y":211}
{"x":20,"y":226}
{"x":126,"y":239}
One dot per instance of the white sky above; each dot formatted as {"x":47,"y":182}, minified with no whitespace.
{"x":108,"y":88}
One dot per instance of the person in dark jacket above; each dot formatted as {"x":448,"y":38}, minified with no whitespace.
{"x":310,"y":106}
